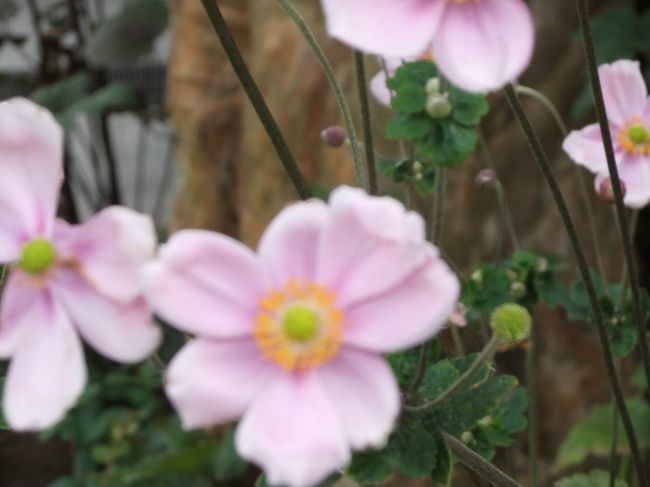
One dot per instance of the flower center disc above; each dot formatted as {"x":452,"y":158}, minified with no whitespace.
{"x":634,"y":138}
{"x":37,"y":256}
{"x":638,"y":134}
{"x":299,"y":326}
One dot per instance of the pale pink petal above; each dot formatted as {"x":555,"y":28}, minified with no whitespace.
{"x":392,"y":28}
{"x":407,"y":314}
{"x":380,"y":91}
{"x":482,"y":46}
{"x":31,"y":144}
{"x":121,"y":331}
{"x":624,"y":90}
{"x":16,"y":311}
{"x":205,"y":283}
{"x":110,"y":248}
{"x":293,"y":432}
{"x":365,"y":394}
{"x":369,"y":245}
{"x":635,"y":173}
{"x":211,"y":382}
{"x":586,"y":148}
{"x":47,"y":373}
{"x":289,"y":246}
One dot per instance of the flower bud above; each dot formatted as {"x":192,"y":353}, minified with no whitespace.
{"x":511,"y":323}
{"x":486,"y":178}
{"x":485,"y":421}
{"x":334,"y":136}
{"x":438,"y":106}
{"x":477,"y":277}
{"x":518,"y":290}
{"x":606,"y":190}
{"x":467,"y":437}
{"x":458,"y":317}
{"x":433,"y":86}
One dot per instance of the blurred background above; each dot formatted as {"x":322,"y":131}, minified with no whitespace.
{"x":155,"y":120}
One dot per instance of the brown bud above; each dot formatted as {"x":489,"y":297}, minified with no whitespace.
{"x":487,"y":178}
{"x":606,"y":190}
{"x":334,"y":136}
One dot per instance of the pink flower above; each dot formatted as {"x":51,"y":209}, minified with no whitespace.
{"x":65,"y":280}
{"x":479,"y":45}
{"x":289,"y":339}
{"x":628,"y":111}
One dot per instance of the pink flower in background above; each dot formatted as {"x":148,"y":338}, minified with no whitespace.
{"x":628,"y":111}
{"x":290,"y":339}
{"x":479,"y":45}
{"x":65,"y":280}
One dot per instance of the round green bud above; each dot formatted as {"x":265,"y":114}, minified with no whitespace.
{"x":638,"y":134}
{"x":37,"y":256}
{"x":477,"y":277}
{"x":485,"y":421}
{"x":511,"y":323}
{"x":518,"y":289}
{"x":438,"y":106}
{"x":467,"y":437}
{"x":300,"y":323}
{"x":433,"y":86}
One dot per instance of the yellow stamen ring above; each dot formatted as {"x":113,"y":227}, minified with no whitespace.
{"x":634,"y":138}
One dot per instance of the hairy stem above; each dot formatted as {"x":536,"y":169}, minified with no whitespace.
{"x":364,"y":101}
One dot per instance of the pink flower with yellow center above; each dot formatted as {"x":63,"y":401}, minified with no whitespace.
{"x":478,"y":45}
{"x":628,"y":112}
{"x":65,"y":280}
{"x":290,"y":339}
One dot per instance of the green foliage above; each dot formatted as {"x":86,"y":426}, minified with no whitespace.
{"x":593,"y":436}
{"x":126,"y":38}
{"x":595,"y":478}
{"x":328,"y":482}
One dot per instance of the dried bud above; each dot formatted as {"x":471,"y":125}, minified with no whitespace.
{"x":334,"y":136}
{"x":487,"y":178}
{"x":458,"y":317}
{"x":511,"y":323}
{"x":606,"y":190}
{"x":438,"y":106}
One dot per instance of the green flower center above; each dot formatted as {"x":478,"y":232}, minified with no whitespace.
{"x":511,"y":322}
{"x":638,"y":134}
{"x":300,"y":323}
{"x":37,"y":256}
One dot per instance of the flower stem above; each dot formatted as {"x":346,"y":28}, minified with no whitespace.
{"x":256,"y":98}
{"x":484,"y":356}
{"x":601,"y":113}
{"x":341,"y":101}
{"x":533,"y":412}
{"x":364,"y":101}
{"x":599,"y":318}
{"x":478,"y":464}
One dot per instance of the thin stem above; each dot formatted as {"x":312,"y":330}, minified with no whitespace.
{"x":612,"y":451}
{"x":634,"y":220}
{"x":458,"y":341}
{"x":533,"y":413}
{"x":165,"y":184}
{"x":478,"y":464}
{"x":341,"y":101}
{"x":140,"y":166}
{"x":548,"y":104}
{"x":601,"y":113}
{"x":483,"y":357}
{"x":599,"y":318}
{"x":256,"y":98}
{"x":364,"y":101}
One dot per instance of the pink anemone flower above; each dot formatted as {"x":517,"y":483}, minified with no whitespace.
{"x":65,"y":280}
{"x":290,"y":339}
{"x":479,"y":45}
{"x":628,"y":113}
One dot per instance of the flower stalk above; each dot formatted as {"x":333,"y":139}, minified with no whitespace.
{"x":364,"y":101}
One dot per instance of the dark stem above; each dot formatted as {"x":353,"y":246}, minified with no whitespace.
{"x":166,"y":181}
{"x":599,"y":318}
{"x":601,"y":113}
{"x":256,"y":98}
{"x":478,"y":464}
{"x":364,"y":101}
{"x":107,"y":144}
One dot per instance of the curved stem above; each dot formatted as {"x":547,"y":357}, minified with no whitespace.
{"x":599,"y":318}
{"x":484,"y":356}
{"x":256,"y":98}
{"x":341,"y":101}
{"x":364,"y":101}
{"x":478,"y":464}
{"x":601,"y":113}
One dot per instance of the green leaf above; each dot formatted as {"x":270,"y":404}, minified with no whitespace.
{"x":418,"y":72}
{"x":449,"y":143}
{"x":328,"y":482}
{"x":227,"y":464}
{"x":63,"y":482}
{"x":410,"y":98}
{"x":58,"y":96}
{"x":409,"y":127}
{"x":442,"y":472}
{"x":592,"y":437}
{"x":413,"y":449}
{"x":595,"y":478}
{"x":468,"y":108}
{"x":370,"y":467}
{"x":125,"y":38}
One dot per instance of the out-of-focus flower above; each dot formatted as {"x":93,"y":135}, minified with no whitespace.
{"x":65,"y":280}
{"x":459,"y":316}
{"x":628,"y":112}
{"x":479,"y":45}
{"x":289,"y":339}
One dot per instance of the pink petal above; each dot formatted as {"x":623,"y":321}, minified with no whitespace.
{"x":586,"y":148}
{"x":624,"y":90}
{"x":31,"y":143}
{"x":205,"y":283}
{"x":406,"y":315}
{"x":482,"y":46}
{"x":47,"y":373}
{"x":380,"y":90}
{"x":635,"y":173}
{"x":393,"y":28}
{"x":16,"y":312}
{"x":289,"y":245}
{"x":370,"y":244}
{"x":293,"y":433}
{"x":110,"y":247}
{"x":211,"y":382}
{"x":365,"y":394}
{"x":121,"y":331}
